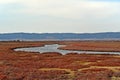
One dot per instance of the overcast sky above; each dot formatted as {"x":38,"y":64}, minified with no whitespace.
{"x":79,"y":16}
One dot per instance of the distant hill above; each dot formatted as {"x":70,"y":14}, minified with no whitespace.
{"x":60,"y":36}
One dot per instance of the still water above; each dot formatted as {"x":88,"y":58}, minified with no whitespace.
{"x":54,"y":48}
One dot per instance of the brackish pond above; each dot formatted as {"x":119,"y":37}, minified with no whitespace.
{"x":54,"y":48}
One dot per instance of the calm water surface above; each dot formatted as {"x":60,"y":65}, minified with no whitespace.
{"x":54,"y":48}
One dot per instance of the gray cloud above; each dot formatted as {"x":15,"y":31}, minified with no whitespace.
{"x":59,"y":16}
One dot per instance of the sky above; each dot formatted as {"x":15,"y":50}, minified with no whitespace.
{"x":59,"y":16}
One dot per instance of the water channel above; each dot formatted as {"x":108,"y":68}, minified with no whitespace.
{"x":54,"y":48}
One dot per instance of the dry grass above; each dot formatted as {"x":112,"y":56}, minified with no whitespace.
{"x":55,"y":66}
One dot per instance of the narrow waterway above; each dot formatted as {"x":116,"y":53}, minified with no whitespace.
{"x":54,"y":48}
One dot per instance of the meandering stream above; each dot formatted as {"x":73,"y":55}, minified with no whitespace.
{"x":54,"y":48}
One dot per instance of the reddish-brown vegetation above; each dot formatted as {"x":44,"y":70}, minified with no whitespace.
{"x":55,"y":66}
{"x":94,"y":45}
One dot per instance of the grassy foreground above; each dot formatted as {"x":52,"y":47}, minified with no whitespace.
{"x":55,"y":66}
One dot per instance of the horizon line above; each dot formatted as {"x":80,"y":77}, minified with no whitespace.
{"x":58,"y":32}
